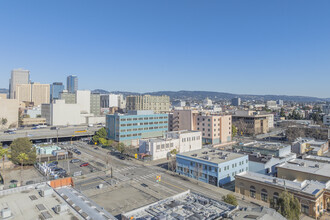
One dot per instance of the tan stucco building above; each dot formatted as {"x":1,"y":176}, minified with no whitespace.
{"x":313,"y":196}
{"x":36,"y":93}
{"x":9,"y":111}
{"x":158,"y":104}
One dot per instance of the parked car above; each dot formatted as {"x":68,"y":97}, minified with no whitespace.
{"x":74,"y":160}
{"x":78,"y":152}
{"x":30,"y":182}
{"x":84,"y":164}
{"x":96,"y":148}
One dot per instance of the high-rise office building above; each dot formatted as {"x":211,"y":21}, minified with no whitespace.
{"x":35,"y":93}
{"x":72,"y":84}
{"x":236,"y":101}
{"x":18,"y":76}
{"x":55,"y":89}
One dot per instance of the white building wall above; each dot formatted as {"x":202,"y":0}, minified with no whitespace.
{"x":65,"y":114}
{"x":83,"y":99}
{"x":113,"y":100}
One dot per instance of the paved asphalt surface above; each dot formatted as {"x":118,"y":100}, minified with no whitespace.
{"x":143,"y":178}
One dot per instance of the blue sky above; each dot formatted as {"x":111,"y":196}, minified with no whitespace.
{"x":237,"y":46}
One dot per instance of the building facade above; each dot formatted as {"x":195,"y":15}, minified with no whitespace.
{"x":180,"y":141}
{"x":216,"y":129}
{"x":310,"y":146}
{"x":158,"y":104}
{"x":35,"y":93}
{"x":129,"y":128}
{"x":69,"y":98}
{"x":236,"y":101}
{"x":313,"y":196}
{"x":9,"y":112}
{"x":55,"y":89}
{"x":211,"y":166}
{"x":95,"y":105}
{"x":251,"y":124}
{"x":72,"y":83}
{"x":184,"y":120}
{"x":18,"y":76}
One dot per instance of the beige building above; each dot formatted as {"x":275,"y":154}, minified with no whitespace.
{"x":18,"y":76}
{"x":9,"y":112}
{"x":301,"y":170}
{"x":3,"y":96}
{"x":184,"y":120}
{"x":36,"y":93}
{"x":33,"y":121}
{"x":216,"y":129}
{"x":313,"y":196}
{"x":251,"y":124}
{"x":158,"y":104}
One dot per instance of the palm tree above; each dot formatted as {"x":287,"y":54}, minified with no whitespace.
{"x":22,"y":157}
{"x":3,"y":153}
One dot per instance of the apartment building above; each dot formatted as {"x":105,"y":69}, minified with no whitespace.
{"x":216,"y":129}
{"x":129,"y":128}
{"x":313,"y":196}
{"x":181,"y":141}
{"x":184,"y":120}
{"x":158,"y":104}
{"x":211,"y":166}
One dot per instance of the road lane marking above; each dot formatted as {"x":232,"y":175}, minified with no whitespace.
{"x":173,"y":185}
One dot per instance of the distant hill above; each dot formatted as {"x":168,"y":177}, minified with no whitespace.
{"x":218,"y":96}
{"x":4,"y":90}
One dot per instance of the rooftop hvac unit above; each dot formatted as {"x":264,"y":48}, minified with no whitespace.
{"x":275,"y":180}
{"x":5,"y":213}
{"x":60,"y":208}
{"x":46,"y":192}
{"x":317,"y":165}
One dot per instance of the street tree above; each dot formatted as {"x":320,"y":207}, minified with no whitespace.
{"x":23,"y":145}
{"x":22,"y":157}
{"x":233,"y":131}
{"x":288,"y":206}
{"x":230,"y":199}
{"x":3,"y":153}
{"x":101,"y":133}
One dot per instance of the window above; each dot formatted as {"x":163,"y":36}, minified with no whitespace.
{"x":264,"y":195}
{"x":275,"y":197}
{"x":209,"y":120}
{"x":252,"y":191}
{"x":305,"y":209}
{"x":208,"y":125}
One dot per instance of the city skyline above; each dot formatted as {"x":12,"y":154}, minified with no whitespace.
{"x":278,"y":48}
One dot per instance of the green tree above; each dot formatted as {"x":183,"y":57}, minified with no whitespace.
{"x":4,"y":121}
{"x":121,"y":147}
{"x":233,"y":131}
{"x":230,"y":199}
{"x":282,"y":112}
{"x":22,"y":157}
{"x":174,"y":151}
{"x":288,"y":206}
{"x":102,"y":133}
{"x":3,"y":153}
{"x":23,"y":145}
{"x":39,"y":116}
{"x":103,"y":141}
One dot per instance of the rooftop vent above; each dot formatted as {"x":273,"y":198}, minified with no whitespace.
{"x":275,"y":180}
{"x":317,"y":165}
{"x":303,"y":164}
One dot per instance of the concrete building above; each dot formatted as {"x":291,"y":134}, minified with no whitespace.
{"x":207,"y":102}
{"x":158,"y":104}
{"x":178,"y":103}
{"x":215,"y":128}
{"x":326,"y":120}
{"x":9,"y":112}
{"x":33,"y":121}
{"x":129,"y":128}
{"x":181,"y":141}
{"x":112,"y":100}
{"x":35,"y":93}
{"x":70,"y":98}
{"x":310,"y":146}
{"x":59,"y":113}
{"x":184,"y":120}
{"x":3,"y":96}
{"x":83,"y":98}
{"x":274,"y":149}
{"x":18,"y":76}
{"x":211,"y":166}
{"x":95,"y":106}
{"x":280,"y":102}
{"x":326,"y":109}
{"x":312,"y":195}
{"x":301,"y":170}
{"x":55,"y":89}
{"x":271,"y":104}
{"x":185,"y":205}
{"x":317,"y":158}
{"x":72,"y":83}
{"x":250,"y":123}
{"x":33,"y":112}
{"x":236,"y":101}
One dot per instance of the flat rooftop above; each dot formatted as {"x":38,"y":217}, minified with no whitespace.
{"x":212,"y":155}
{"x":310,"y":141}
{"x":310,"y":187}
{"x":307,"y":166}
{"x":265,"y":145}
{"x":28,"y":204}
{"x":260,"y":213}
{"x":318,"y":158}
{"x":185,"y":205}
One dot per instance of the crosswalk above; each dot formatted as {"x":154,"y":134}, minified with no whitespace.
{"x":124,"y":169}
{"x":141,"y":178}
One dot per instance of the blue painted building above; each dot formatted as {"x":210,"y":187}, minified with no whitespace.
{"x":129,"y":128}
{"x":211,"y":166}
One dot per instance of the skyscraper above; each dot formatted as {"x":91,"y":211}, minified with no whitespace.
{"x":55,"y":90}
{"x":18,"y":76}
{"x":72,"y":83}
